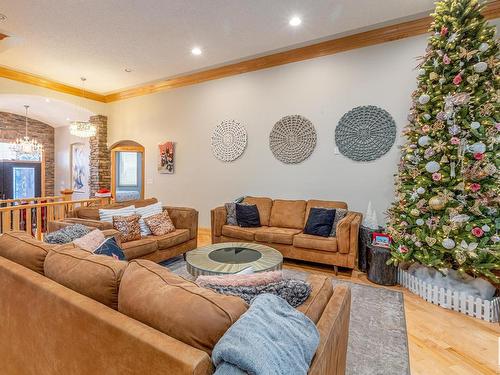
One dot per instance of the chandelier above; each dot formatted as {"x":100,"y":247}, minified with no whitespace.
{"x":82,"y":129}
{"x":26,"y":148}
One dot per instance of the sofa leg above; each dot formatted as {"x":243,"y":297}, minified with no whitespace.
{"x":336,"y":269}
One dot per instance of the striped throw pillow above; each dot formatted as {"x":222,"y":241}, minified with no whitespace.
{"x":106,"y":214}
{"x":147,"y":211}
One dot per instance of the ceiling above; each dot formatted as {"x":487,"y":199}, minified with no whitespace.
{"x":53,"y":112}
{"x":64,"y":40}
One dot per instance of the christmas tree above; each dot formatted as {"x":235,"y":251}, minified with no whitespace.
{"x":446,"y":210}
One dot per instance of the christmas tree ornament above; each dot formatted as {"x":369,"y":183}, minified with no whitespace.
{"x":424,"y":99}
{"x":421,"y":72}
{"x":442,"y":81}
{"x":473,"y":79}
{"x":475,"y":125}
{"x":477,"y":232}
{"x":478,"y":147}
{"x":483,"y":47}
{"x":430,"y":240}
{"x":424,"y":140}
{"x":485,"y":228}
{"x":458,"y":79}
{"x":415,"y":212}
{"x":426,"y":116}
{"x":480,"y":67}
{"x":446,"y":60}
{"x":454,"y":129}
{"x":437,"y":176}
{"x":420,"y":222}
{"x":432,"y":166}
{"x":436,"y":202}
{"x":421,"y":190}
{"x":448,"y":243}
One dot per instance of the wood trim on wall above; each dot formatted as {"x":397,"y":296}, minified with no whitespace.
{"x":114,"y":150}
{"x":364,"y":39}
{"x":48,"y":84}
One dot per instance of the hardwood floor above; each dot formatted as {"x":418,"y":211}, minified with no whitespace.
{"x":441,"y":342}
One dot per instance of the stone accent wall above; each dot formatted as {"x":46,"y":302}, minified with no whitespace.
{"x":100,"y":159}
{"x":13,"y":126}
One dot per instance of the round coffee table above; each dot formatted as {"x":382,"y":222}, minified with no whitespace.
{"x":232,"y":257}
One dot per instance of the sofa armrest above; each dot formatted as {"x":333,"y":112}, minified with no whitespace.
{"x":344,"y":226}
{"x":333,"y":327}
{"x":184,"y":218}
{"x":218,"y":217}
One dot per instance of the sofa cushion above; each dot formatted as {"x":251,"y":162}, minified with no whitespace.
{"x":308,"y":241}
{"x":95,"y":276}
{"x":324,"y":204}
{"x":247,"y":234}
{"x":321,"y":291}
{"x":67,"y":234}
{"x":147,"y":211}
{"x":320,"y":221}
{"x":247,"y":215}
{"x":176,"y":237}
{"x":263,"y":205}
{"x":288,"y":214}
{"x":138,"y":248}
{"x":179,"y":308}
{"x":23,"y":249}
{"x":276,"y":235}
{"x":128,"y":226}
{"x":110,"y":248}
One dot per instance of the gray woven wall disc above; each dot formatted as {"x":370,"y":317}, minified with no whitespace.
{"x":365,"y":133}
{"x":292,"y":139}
{"x":229,"y":140}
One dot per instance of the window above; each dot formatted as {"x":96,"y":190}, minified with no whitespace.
{"x":23,"y":181}
{"x":127,"y":168}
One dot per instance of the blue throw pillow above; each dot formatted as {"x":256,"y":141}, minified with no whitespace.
{"x":320,"y":221}
{"x":110,"y":248}
{"x":247,"y":215}
{"x":67,"y":234}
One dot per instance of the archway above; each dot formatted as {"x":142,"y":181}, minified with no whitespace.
{"x":127,"y":170}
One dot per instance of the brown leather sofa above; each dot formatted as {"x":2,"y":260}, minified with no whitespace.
{"x":282,"y":227}
{"x":50,"y":329}
{"x":155,"y":248}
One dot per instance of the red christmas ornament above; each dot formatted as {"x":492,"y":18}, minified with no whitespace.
{"x":458,"y":79}
{"x":444,"y":31}
{"x":475,"y":187}
{"x":478,"y":232}
{"x":478,"y":156}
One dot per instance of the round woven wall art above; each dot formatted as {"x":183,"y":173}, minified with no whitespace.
{"x":229,"y":140}
{"x":365,"y":133}
{"x":292,"y":139}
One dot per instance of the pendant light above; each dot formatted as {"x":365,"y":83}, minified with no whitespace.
{"x":82,"y":129}
{"x":27,"y":148}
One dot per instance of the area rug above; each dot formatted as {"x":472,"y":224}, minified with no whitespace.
{"x":377,"y":332}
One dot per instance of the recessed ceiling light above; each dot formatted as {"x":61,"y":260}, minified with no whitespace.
{"x":196,"y":51}
{"x":295,"y":21}
{"x":128,"y":70}
{"x":47,"y":100}
{"x":68,"y":119}
{"x":3,"y":17}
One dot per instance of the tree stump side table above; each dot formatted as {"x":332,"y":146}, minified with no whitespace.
{"x":378,"y":271}
{"x":365,"y":239}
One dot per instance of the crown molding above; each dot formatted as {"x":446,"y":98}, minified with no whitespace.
{"x":363,"y":39}
{"x":48,"y":84}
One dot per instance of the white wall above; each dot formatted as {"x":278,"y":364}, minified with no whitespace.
{"x":63,"y":141}
{"x":321,"y":89}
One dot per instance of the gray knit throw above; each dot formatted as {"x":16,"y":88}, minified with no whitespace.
{"x":295,"y":292}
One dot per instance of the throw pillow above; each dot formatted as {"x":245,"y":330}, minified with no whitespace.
{"x":106,"y":214}
{"x":247,"y":215}
{"x":320,"y":221}
{"x":231,"y":213}
{"x":90,"y":241}
{"x":128,"y":226}
{"x":340,"y":213}
{"x":110,"y":248}
{"x":160,"y":224}
{"x":67,"y":234}
{"x":147,"y":211}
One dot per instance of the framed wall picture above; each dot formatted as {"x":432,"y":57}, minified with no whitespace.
{"x":79,"y":162}
{"x":166,"y":157}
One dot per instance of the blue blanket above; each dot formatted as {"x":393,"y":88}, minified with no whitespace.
{"x":271,"y":338}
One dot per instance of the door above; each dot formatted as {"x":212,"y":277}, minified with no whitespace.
{"x":20,"y":180}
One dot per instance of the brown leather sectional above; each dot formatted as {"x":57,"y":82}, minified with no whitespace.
{"x":155,"y":248}
{"x":67,"y":311}
{"x":282,"y":227}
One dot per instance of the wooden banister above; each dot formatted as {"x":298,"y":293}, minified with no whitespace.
{"x":33,"y":218}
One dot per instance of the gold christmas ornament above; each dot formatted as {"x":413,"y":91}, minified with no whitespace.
{"x":437,"y":202}
{"x":414,"y":212}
